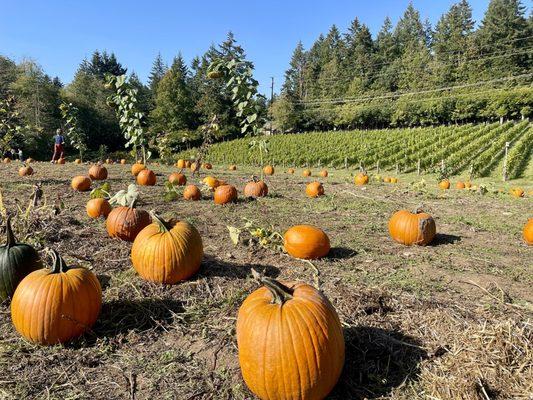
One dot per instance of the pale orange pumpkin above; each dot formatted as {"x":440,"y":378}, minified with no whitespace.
{"x":167,"y":252}
{"x":192,"y":192}
{"x":444,"y":184}
{"x":306,"y":173}
{"x":146,"y":177}
{"x":211,"y":182}
{"x":123,"y":161}
{"x":314,"y":189}
{"x":460,"y":185}
{"x":410,"y":228}
{"x":517,"y":192}
{"x":324,"y":173}
{"x":307,"y":242}
{"x":7,"y":160}
{"x":25,"y":170}
{"x":468,"y":185}
{"x":81,"y":183}
{"x":177,"y":178}
{"x":290,"y":171}
{"x":181,"y":164}
{"x":136,"y":168}
{"x":77,"y":161}
{"x":361,"y":179}
{"x":225,"y":194}
{"x":255,"y":188}
{"x":268,"y":170}
{"x":98,"y":172}
{"x":289,"y":318}
{"x":61,"y":161}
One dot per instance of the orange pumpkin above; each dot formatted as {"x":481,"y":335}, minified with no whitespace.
{"x":387,"y":179}
{"x":25,"y":170}
{"x":289,"y":318}
{"x":98,"y":172}
{"x":528,"y":232}
{"x":30,"y":160}
{"x":324,"y":173}
{"x":306,"y":173}
{"x":207,"y":166}
{"x":517,"y":192}
{"x":268,"y":170}
{"x":225,"y":194}
{"x":211,"y":182}
{"x":7,"y":160}
{"x":146,"y":177}
{"x":410,"y":228}
{"x":81,"y":183}
{"x":56,"y":305}
{"x":393,"y":180}
{"x":123,"y":161}
{"x":136,"y":168}
{"x":255,"y":188}
{"x":177,"y":179}
{"x":77,"y":161}
{"x":180,"y":164}
{"x":126,"y":222}
{"x":444,"y":184}
{"x":61,"y":161}
{"x":232,"y":167}
{"x":468,"y":185}
{"x":98,"y":207}
{"x":314,"y":189}
{"x":307,"y":242}
{"x":109,"y":161}
{"x":192,"y":192}
{"x":290,"y":171}
{"x":361,"y":179}
{"x":167,"y":252}
{"x":460,"y":185}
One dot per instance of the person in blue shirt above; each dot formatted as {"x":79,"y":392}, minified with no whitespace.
{"x":59,"y":142}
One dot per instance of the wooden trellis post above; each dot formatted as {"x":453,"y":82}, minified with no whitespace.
{"x":418,"y":167}
{"x":345,"y":162}
{"x":505,"y":161}
{"x":377,"y":167}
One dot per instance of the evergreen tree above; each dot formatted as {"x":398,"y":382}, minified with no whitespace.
{"x":387,"y":51}
{"x":294,"y":76}
{"x":159,"y":69}
{"x":144,"y":94}
{"x":8,"y":75}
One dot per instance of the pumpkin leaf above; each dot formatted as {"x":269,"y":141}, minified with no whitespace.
{"x":234,"y":234}
{"x":125,"y":198}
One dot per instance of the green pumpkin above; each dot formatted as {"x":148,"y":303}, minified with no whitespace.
{"x":16,"y":261}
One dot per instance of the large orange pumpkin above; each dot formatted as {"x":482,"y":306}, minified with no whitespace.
{"x":314,"y":189}
{"x":177,"y":178}
{"x":98,"y":172}
{"x":361,"y":179}
{"x":136,"y":168}
{"x":528,"y":232}
{"x":25,"y":170}
{"x":290,"y":342}
{"x":167,"y":252}
{"x":126,"y":222}
{"x":307,"y":242}
{"x":225,"y":194}
{"x":412,"y":227}
{"x":192,"y":192}
{"x":56,"y":305}
{"x":98,"y":207}
{"x":146,"y":177}
{"x":444,"y":184}
{"x":255,"y":188}
{"x":306,"y":173}
{"x":81,"y":183}
{"x":268,"y":170}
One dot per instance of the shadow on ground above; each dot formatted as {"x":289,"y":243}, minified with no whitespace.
{"x":443,"y":239}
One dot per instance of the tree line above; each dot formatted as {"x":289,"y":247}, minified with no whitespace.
{"x":412,"y":73}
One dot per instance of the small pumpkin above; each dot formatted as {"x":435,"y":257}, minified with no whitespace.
{"x":192,"y":192}
{"x":528,"y":232}
{"x":177,"y":178}
{"x":290,"y":171}
{"x":225,"y":194}
{"x":232,"y":167}
{"x":324,"y":173}
{"x":167,"y":252}
{"x":307,"y":242}
{"x":7,"y":160}
{"x":16,"y":261}
{"x":26,"y":170}
{"x":61,"y":161}
{"x":126,"y":222}
{"x":98,"y":172}
{"x":306,"y":173}
{"x":180,"y":164}
{"x":81,"y":183}
{"x":283,"y":318}
{"x":109,"y":161}
{"x":123,"y":161}
{"x":314,"y":189}
{"x":460,"y":185}
{"x":468,"y":184}
{"x":268,"y":170}
{"x":387,"y":179}
{"x":517,"y":192}
{"x":77,"y":161}
{"x":98,"y":207}
{"x":444,"y":184}
{"x":410,"y":228}
{"x":56,"y":305}
{"x":361,"y":179}
{"x":136,"y":168}
{"x":146,"y":177}
{"x":393,"y":180}
{"x":30,"y":160}
{"x":211,"y":182}
{"x":207,"y":166}
{"x":255,"y":189}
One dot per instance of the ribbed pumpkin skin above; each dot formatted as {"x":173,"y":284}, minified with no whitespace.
{"x":25,"y":171}
{"x":410,"y":228}
{"x":136,"y":168}
{"x":167,"y":257}
{"x":361,"y":179}
{"x":293,"y":351}
{"x":125,"y":222}
{"x":314,"y":189}
{"x":16,"y":261}
{"x":97,"y":173}
{"x":146,"y":177}
{"x":307,"y":242}
{"x":50,"y":308}
{"x":445,"y":184}
{"x":225,"y":194}
{"x":177,"y":179}
{"x":98,"y":208}
{"x":528,"y":232}
{"x":192,"y":192}
{"x":268,"y":170}
{"x":81,"y":183}
{"x":255,"y":189}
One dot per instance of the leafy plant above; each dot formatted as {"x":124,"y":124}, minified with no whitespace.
{"x":73,"y":131}
{"x":262,"y":146}
{"x":102,"y":192}
{"x":125,"y":198}
{"x":254,"y":234}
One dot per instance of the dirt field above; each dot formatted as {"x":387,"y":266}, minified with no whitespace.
{"x":447,"y":321}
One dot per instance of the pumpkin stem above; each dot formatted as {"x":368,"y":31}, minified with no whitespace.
{"x":280,"y":292}
{"x":58,"y":264}
{"x":164,"y":226}
{"x":11,"y":241}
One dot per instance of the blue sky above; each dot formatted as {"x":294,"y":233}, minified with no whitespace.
{"x":59,"y":34}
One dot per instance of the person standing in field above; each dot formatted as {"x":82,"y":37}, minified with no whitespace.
{"x":59,"y":142}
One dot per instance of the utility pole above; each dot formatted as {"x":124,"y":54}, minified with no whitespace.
{"x":271,"y":101}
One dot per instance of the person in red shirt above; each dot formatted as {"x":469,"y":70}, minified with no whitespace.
{"x":59,"y":142}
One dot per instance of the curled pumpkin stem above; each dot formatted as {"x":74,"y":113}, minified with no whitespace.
{"x":164,"y":226}
{"x":11,"y":240}
{"x":280,"y":292}
{"x":58,"y":264}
